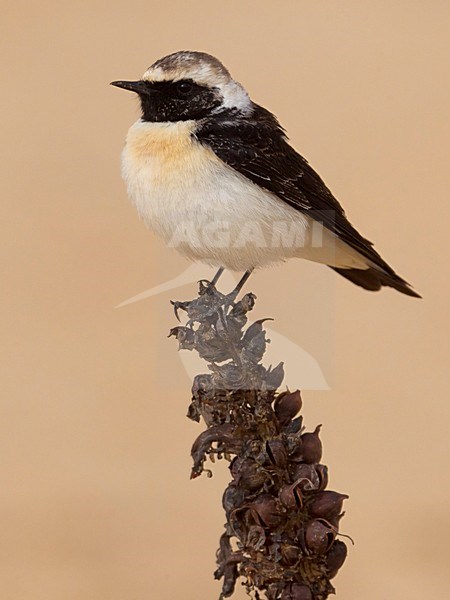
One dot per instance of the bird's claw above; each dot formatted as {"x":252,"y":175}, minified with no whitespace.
{"x":177,"y":305}
{"x":206,"y":287}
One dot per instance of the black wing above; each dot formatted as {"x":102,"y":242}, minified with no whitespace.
{"x":257,"y":148}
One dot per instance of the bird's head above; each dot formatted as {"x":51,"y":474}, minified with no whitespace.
{"x":187,"y":85}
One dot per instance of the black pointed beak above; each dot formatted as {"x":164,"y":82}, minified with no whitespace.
{"x":139,"y":87}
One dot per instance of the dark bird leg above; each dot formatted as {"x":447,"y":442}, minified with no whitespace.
{"x":231,"y":297}
{"x":216,"y":277}
{"x":210,"y":286}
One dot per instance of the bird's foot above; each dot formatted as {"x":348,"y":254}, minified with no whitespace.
{"x":211,"y":304}
{"x":206,"y":287}
{"x":205,"y":306}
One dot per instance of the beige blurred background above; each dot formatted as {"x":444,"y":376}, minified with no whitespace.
{"x":95,"y":497}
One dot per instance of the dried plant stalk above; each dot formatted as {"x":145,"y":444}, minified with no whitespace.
{"x":282,"y":523}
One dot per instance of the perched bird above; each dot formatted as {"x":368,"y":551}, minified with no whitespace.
{"x":213,"y":174}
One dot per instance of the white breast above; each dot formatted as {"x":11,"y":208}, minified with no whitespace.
{"x":208,"y":211}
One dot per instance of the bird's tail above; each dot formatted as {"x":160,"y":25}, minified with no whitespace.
{"x":373,"y":279}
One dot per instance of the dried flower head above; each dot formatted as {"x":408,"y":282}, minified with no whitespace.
{"x":282,"y":523}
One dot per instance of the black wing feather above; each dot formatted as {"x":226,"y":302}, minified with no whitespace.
{"x":257,"y":147}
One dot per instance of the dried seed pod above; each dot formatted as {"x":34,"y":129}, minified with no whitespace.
{"x":185,"y":337}
{"x":245,"y":305}
{"x":301,"y":592}
{"x":311,"y":446}
{"x":290,"y":554}
{"x":235,"y":467}
{"x":266,"y":507}
{"x":327,"y":504}
{"x":296,"y":591}
{"x":319,"y":535}
{"x":273,"y":591}
{"x":248,"y":473}
{"x":254,"y":348}
{"x":322,"y":472}
{"x":229,"y":377}
{"x":263,"y":412}
{"x":254,"y":330}
{"x":257,"y":450}
{"x":286,"y":593}
{"x":287,"y":405}
{"x":307,"y":477}
{"x":256,"y":537}
{"x":334,"y":521}
{"x":294,"y":426}
{"x":291,"y":496}
{"x":274,"y":377}
{"x":277,"y":453}
{"x":233,"y":497}
{"x":202,"y":384}
{"x":295,"y":447}
{"x":210,"y":345}
{"x":335,"y":558}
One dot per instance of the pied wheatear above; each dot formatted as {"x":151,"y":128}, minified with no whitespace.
{"x":213,"y":174}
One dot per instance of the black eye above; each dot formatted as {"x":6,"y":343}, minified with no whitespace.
{"x":185,"y":87}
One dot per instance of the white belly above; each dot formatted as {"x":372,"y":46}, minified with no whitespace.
{"x":209,"y":212}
